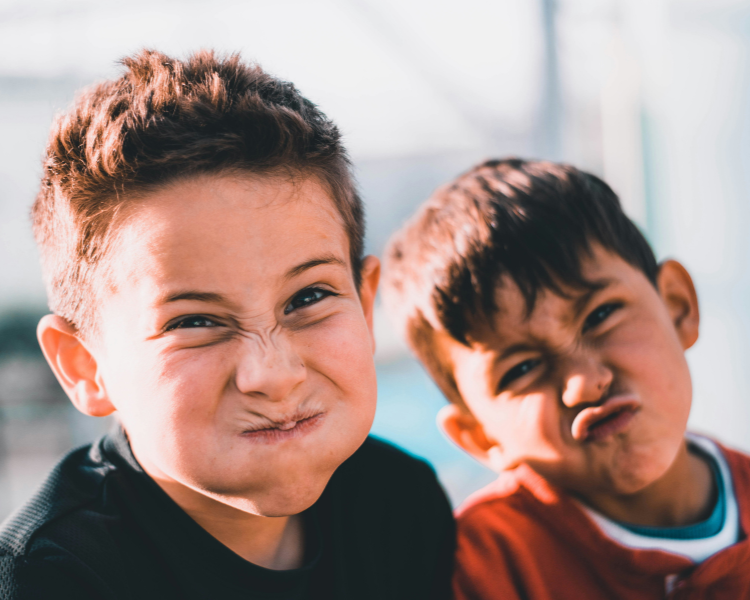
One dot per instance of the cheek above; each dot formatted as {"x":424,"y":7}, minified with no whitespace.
{"x":524,"y":427}
{"x":340,"y":350}
{"x":538,"y":423}
{"x":165,"y":391}
{"x":650,"y":356}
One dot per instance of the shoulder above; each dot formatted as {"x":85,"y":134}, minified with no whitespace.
{"x":41,"y":538}
{"x":518,"y":510}
{"x":392,"y":523}
{"x":737,"y":462}
{"x":71,"y":484}
{"x":499,"y":538}
{"x":513,"y":534}
{"x":380,"y":455}
{"x":52,"y":574}
{"x":382,"y":478}
{"x":504,"y":497}
{"x":381,"y":469}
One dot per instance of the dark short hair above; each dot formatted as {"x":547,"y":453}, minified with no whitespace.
{"x":531,"y":221}
{"x":162,"y":120}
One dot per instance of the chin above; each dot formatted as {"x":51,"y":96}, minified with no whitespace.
{"x":637,"y":477}
{"x":287,"y":500}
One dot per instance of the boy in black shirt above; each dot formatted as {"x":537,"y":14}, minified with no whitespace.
{"x":201,"y":238}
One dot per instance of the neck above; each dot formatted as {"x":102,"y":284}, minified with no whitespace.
{"x":270,"y":542}
{"x":684,"y":495}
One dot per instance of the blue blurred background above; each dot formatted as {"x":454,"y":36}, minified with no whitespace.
{"x":653,"y":95}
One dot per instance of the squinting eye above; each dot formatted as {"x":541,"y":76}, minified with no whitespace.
{"x":599,"y":314}
{"x":192,"y":322}
{"x":307,"y":297}
{"x":519,"y":370}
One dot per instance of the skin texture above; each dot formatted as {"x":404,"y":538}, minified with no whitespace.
{"x":237,"y":351}
{"x":531,"y":387}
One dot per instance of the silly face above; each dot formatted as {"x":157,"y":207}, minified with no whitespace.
{"x":233,"y":342}
{"x":592,"y":391}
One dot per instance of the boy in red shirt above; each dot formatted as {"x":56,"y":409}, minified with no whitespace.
{"x":539,"y":309}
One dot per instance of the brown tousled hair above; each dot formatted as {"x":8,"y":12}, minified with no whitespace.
{"x":164,"y":119}
{"x":532,"y":221}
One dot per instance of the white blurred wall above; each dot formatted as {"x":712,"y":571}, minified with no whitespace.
{"x":668,"y":84}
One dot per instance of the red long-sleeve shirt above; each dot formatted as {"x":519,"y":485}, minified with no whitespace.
{"x":522,"y":538}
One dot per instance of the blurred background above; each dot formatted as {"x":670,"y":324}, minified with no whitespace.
{"x":653,"y":95}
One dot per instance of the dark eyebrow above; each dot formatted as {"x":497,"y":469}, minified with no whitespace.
{"x":593,"y":287}
{"x":215,"y":298}
{"x":195,"y":295}
{"x":328,"y":259}
{"x":521,"y":347}
{"x":579,"y":305}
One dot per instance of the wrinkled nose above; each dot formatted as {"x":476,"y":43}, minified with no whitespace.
{"x":586,"y":381}
{"x":270,"y":368}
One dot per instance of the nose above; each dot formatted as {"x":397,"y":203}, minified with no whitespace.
{"x":270,"y":367}
{"x":586,"y":381}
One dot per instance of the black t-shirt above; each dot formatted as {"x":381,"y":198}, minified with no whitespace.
{"x":101,"y":528}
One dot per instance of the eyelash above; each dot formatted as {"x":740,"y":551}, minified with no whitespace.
{"x":518,"y":371}
{"x":181,"y":323}
{"x":308,"y":291}
{"x":596,"y":317}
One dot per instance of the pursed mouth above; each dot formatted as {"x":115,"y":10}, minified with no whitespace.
{"x":284,"y":429}
{"x":599,"y":422}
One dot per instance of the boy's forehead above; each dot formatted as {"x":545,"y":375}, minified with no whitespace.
{"x":514,"y":315}
{"x":514,"y":318}
{"x":206,"y":229}
{"x":202,"y":205}
{"x":230,"y":194}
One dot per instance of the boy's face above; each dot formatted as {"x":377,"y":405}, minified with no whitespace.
{"x":233,"y":342}
{"x":592,"y":391}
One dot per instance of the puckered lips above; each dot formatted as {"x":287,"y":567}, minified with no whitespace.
{"x":599,"y":422}
{"x":285,"y":428}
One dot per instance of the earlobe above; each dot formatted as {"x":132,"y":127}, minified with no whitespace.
{"x":463,"y":429}
{"x":678,"y":293}
{"x":368,"y":288}
{"x":73,"y":365}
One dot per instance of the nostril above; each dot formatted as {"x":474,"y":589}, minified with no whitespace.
{"x":581,"y":389}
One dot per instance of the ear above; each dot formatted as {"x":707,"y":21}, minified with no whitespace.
{"x":464,"y":430}
{"x":73,"y":365}
{"x":678,"y":293}
{"x":368,"y":288}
